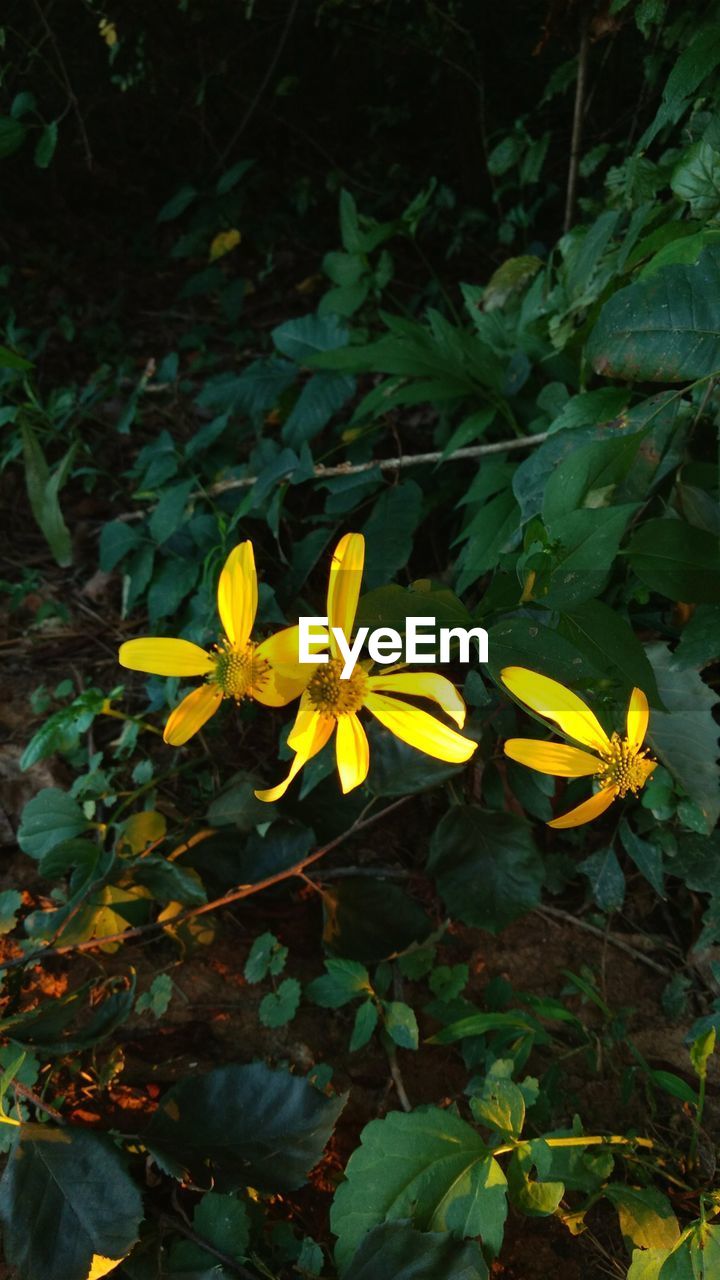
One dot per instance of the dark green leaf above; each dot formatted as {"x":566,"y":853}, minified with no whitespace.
{"x":370,"y":920}
{"x":429,"y":1166}
{"x":66,"y":1197}
{"x":686,"y":737}
{"x":606,"y":879}
{"x":487,"y":868}
{"x":49,"y":818}
{"x":677,"y":560}
{"x":397,"y":1250}
{"x":243,"y":1126}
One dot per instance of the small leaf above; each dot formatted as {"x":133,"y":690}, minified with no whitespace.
{"x":49,"y":818}
{"x":266,"y":956}
{"x":366,"y":1019}
{"x":10,"y":903}
{"x":279,"y":1007}
{"x":344,"y":981}
{"x":606,"y":879}
{"x":46,"y":144}
{"x":401,"y":1024}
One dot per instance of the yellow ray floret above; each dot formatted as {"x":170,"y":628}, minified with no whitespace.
{"x":619,"y":764}
{"x":330,"y":704}
{"x":237,"y":668}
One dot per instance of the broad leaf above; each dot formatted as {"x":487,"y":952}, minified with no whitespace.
{"x":242,"y":1126}
{"x":369,"y":920}
{"x":664,"y":328}
{"x":397,"y":1250}
{"x":487,"y":868}
{"x":677,"y":560}
{"x":66,"y":1199}
{"x":49,"y":818}
{"x":686,"y":736}
{"x":428,"y":1166}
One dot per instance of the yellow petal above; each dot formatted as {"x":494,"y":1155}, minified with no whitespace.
{"x":314,"y":738}
{"x":192,"y":713}
{"x":344,"y":586}
{"x":419,"y":729}
{"x":161,"y":656}
{"x":238,"y":594}
{"x":638,"y":714}
{"x":352,"y":752}
{"x":100,"y":1266}
{"x":552,"y":757}
{"x":424,"y":684}
{"x":550,"y":699}
{"x":288,"y":677}
{"x":586,"y":811}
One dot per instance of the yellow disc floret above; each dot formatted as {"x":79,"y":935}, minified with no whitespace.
{"x":333,"y":696}
{"x":624,"y":766}
{"x":239,"y":672}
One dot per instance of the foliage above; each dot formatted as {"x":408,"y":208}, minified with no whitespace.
{"x":398,"y":338}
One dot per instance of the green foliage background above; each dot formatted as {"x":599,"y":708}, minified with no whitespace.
{"x":461,"y":227}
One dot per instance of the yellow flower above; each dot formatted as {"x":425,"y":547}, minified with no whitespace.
{"x":224,"y":242}
{"x":330,"y":702}
{"x":619,"y":764}
{"x":238,"y":668}
{"x":108,"y":31}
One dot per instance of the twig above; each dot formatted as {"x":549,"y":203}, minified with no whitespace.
{"x":177,"y":1224}
{"x":398,"y":1080}
{"x":377,"y":464}
{"x":236,"y":895}
{"x":264,"y":82}
{"x":557,"y":914}
{"x":22,"y":1091}
{"x":68,"y":85}
{"x":578,"y":112}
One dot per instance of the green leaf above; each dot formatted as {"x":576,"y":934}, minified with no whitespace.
{"x":389,"y":532}
{"x":343,"y":981}
{"x":396,"y":1249}
{"x":117,"y":539}
{"x":157,"y":999}
{"x":534,"y":1196}
{"x":609,"y":642}
{"x":321,"y":397}
{"x":66,"y":1197}
{"x":430,"y":1167}
{"x":677,"y":560}
{"x":266,"y":956}
{"x":686,"y":737}
{"x":647,"y":1219}
{"x":10,"y":904}
{"x":279,"y":1007}
{"x":42,"y":489}
{"x":700,"y":640}
{"x":525,"y":641}
{"x":606,"y":879}
{"x":391,"y":606}
{"x":170,"y":510}
{"x":177,"y":204}
{"x":589,"y":544}
{"x":49,"y":818}
{"x":701,"y":1050}
{"x":697,"y":180}
{"x":224,"y":1222}
{"x":243,"y":1126}
{"x":12,"y":135}
{"x":366,"y":1020}
{"x":647,"y":856}
{"x":487,"y":868}
{"x":46,"y":144}
{"x":500,"y":1106}
{"x":236,"y":804}
{"x":447,"y":981}
{"x":11,"y":360}
{"x":307,"y":335}
{"x":371,"y":920}
{"x":664,"y":328}
{"x":400,"y":1023}
{"x":589,"y":476}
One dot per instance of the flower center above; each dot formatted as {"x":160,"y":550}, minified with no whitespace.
{"x":333,"y":696}
{"x":238,"y":671}
{"x":624,"y":766}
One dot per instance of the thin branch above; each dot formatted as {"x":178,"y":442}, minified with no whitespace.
{"x":554,"y":913}
{"x":68,"y":84}
{"x":177,"y":1224}
{"x":578,"y":113}
{"x":235,"y":895}
{"x":264,"y":82}
{"x":377,"y":464}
